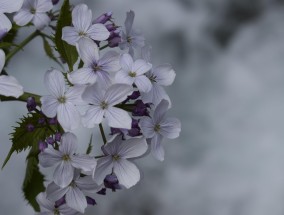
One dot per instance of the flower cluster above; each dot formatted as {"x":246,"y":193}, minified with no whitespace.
{"x":119,"y":89}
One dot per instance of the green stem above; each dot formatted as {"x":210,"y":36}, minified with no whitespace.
{"x":45,"y":35}
{"x":21,"y":45}
{"x":103,"y":133}
{"x":103,"y":47}
{"x":22,"y":98}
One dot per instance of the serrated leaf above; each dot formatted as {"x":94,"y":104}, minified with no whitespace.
{"x":67,"y":52}
{"x":22,"y":139}
{"x":33,"y":182}
{"x":90,"y":146}
{"x":49,"y":52}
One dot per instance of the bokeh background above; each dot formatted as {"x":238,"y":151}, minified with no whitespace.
{"x":228,"y":93}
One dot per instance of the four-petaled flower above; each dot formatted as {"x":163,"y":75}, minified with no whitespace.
{"x":158,"y":127}
{"x":117,"y":153}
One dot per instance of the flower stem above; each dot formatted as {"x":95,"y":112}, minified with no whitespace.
{"x":21,"y":45}
{"x":22,"y":98}
{"x":103,"y":47}
{"x":103,"y":133}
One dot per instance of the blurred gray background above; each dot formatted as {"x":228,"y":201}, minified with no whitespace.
{"x":228,"y":93}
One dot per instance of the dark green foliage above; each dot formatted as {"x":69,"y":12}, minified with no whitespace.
{"x":49,"y":52}
{"x":90,"y":146}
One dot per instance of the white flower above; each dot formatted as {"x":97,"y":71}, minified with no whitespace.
{"x":66,"y":160}
{"x":158,"y":127}
{"x":61,"y":102}
{"x":133,"y":73}
{"x":83,"y":27}
{"x":8,"y":6}
{"x":117,"y":153}
{"x":131,"y":38}
{"x":74,"y":192}
{"x":50,"y":208}
{"x":9,"y":86}
{"x":102,"y":105}
{"x":95,"y":68}
{"x":34,"y":11}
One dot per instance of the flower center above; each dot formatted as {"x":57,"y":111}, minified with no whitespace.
{"x":56,"y":211}
{"x":33,"y":10}
{"x":72,"y":184}
{"x":115,"y":157}
{"x":82,"y":34}
{"x":132,"y":74}
{"x":104,"y":105}
{"x":129,"y":39}
{"x":96,"y":67}
{"x":157,"y":128}
{"x":152,"y":78}
{"x":65,"y":157}
{"x":61,"y":99}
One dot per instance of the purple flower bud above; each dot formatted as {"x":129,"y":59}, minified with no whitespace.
{"x":103,"y":18}
{"x":114,"y":42}
{"x":112,"y":182}
{"x":53,"y":121}
{"x":140,"y":109}
{"x":50,"y":140}
{"x":41,"y":121}
{"x":134,"y":95}
{"x":102,"y":191}
{"x":57,"y":136}
{"x":42,"y":145}
{"x":91,"y":201}
{"x":135,"y":129}
{"x":30,"y":127}
{"x":54,"y":2}
{"x":111,"y":27}
{"x":31,"y":104}
{"x":60,"y":202}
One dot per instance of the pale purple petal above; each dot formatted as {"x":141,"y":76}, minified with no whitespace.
{"x":44,"y":202}
{"x":117,"y":93}
{"x":170,"y":128}
{"x":70,"y":35}
{"x":129,"y":21}
{"x":83,"y":75}
{"x":111,"y":147}
{"x":82,"y":17}
{"x":8,"y":6}
{"x":68,"y":116}
{"x":88,"y":51}
{"x":93,"y":116}
{"x":23,"y":17}
{"x":133,"y":147}
{"x":160,"y":111}
{"x":98,"y":32}
{"x":44,"y":6}
{"x":54,"y":192}
{"x":110,"y":62}
{"x":127,"y":173}
{"x":140,"y":67}
{"x":146,"y":53}
{"x":49,"y":157}
{"x":93,"y":95}
{"x":147,"y":126}
{"x":143,"y":83}
{"x":74,"y":94}
{"x":2,"y":60}
{"x":87,"y":184}
{"x":65,"y":210}
{"x":9,"y":86}
{"x":5,"y":23}
{"x":155,"y":95}
{"x":76,"y":199}
{"x":54,"y":81}
{"x":138,"y":40}
{"x":156,"y":147}
{"x":63,"y":174}
{"x":165,"y":75}
{"x":118,"y":118}
{"x":126,"y":62}
{"x":104,"y":167}
{"x":41,"y":20}
{"x":49,"y":106}
{"x":68,"y":144}
{"x":84,"y":162}
{"x":123,"y":77}
{"x":103,"y":79}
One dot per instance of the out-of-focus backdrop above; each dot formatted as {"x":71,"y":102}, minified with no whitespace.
{"x":228,"y":93}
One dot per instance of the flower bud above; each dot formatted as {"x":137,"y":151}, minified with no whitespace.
{"x":135,"y":129}
{"x":112,"y":182}
{"x":53,"y":121}
{"x":41,"y":121}
{"x":140,"y":109}
{"x":114,"y":42}
{"x":102,"y":191}
{"x":50,"y":140}
{"x":103,"y":18}
{"x":111,"y":27}
{"x":42,"y":145}
{"x":91,"y":201}
{"x":54,"y":2}
{"x":57,"y":136}
{"x":31,"y":104}
{"x":30,"y":127}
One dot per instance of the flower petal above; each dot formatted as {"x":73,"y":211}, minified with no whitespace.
{"x":74,"y":95}
{"x":123,"y":77}
{"x":93,"y":116}
{"x":76,"y":199}
{"x":127,"y":173}
{"x":68,"y":116}
{"x":126,"y":62}
{"x":41,"y":20}
{"x":117,"y":93}
{"x":84,"y":162}
{"x":109,"y":62}
{"x":8,"y":6}
{"x":82,"y":17}
{"x":70,"y":35}
{"x":49,"y":157}
{"x":54,"y":192}
{"x":129,"y":21}
{"x":23,"y":17}
{"x":44,"y":202}
{"x":93,"y":95}
{"x":143,"y":83}
{"x":68,"y":144}
{"x":54,"y":81}
{"x":83,"y":75}
{"x":88,"y":51}
{"x":104,"y":167}
{"x":170,"y":128}
{"x":44,"y":6}
{"x":49,"y":106}
{"x":118,"y":118}
{"x":141,"y":67}
{"x":156,"y":147}
{"x":103,"y":79}
{"x":160,"y":111}
{"x":87,"y":184}
{"x":63,"y":174}
{"x":133,"y":147}
{"x":147,"y":126}
{"x":165,"y":75}
{"x":9,"y":86}
{"x":5,"y":23}
{"x":155,"y":95}
{"x":98,"y":32}
{"x":146,"y":53}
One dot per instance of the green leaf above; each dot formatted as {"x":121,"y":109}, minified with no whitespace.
{"x":6,"y":44}
{"x":49,"y":52}
{"x":33,"y":182}
{"x":90,"y":146}
{"x":67,"y":52}
{"x":22,"y":139}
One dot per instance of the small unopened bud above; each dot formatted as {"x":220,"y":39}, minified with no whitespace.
{"x":114,"y":42}
{"x":102,"y":191}
{"x":30,"y":127}
{"x":50,"y":140}
{"x":57,"y":136}
{"x":112,"y":182}
{"x":91,"y":201}
{"x":53,"y":121}
{"x":111,"y":27}
{"x":134,"y":95}
{"x":54,"y":2}
{"x":41,"y":121}
{"x":42,"y":145}
{"x":31,"y":104}
{"x":140,"y":109}
{"x":103,"y":18}
{"x":60,"y":202}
